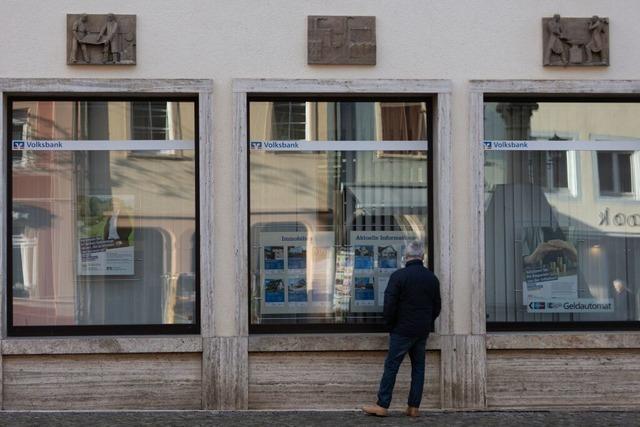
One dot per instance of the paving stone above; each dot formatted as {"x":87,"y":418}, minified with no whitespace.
{"x":319,"y":418}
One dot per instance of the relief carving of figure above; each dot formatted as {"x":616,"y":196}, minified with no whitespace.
{"x":107,"y":36}
{"x":596,"y":44}
{"x":80,"y":31}
{"x":555,"y":44}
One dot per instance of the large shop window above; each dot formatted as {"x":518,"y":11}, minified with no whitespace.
{"x":103,"y":224}
{"x":562,"y":213}
{"x":337,"y":189}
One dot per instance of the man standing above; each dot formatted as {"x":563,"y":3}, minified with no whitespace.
{"x":411,"y":305}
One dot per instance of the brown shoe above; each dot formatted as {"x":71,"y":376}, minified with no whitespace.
{"x":376,"y":410}
{"x":412,"y":411}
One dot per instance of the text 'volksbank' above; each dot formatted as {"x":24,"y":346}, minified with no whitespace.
{"x":34,"y":145}
{"x":281,"y":145}
{"x":506,"y":145}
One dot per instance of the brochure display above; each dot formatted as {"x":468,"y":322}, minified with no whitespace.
{"x":377,"y":254}
{"x":303,"y":273}
{"x":296,"y":272}
{"x":106,"y":235}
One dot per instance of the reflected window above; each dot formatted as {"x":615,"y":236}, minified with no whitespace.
{"x":556,"y":252}
{"x":96,"y":230}
{"x":289,"y":120}
{"x":332,"y":210}
{"x":150,"y":120}
{"x":614,"y":173}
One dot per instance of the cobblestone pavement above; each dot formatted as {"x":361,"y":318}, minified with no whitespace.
{"x":319,"y":418}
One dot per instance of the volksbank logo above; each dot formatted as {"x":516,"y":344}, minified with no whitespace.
{"x":537,"y":305}
{"x":487,"y":145}
{"x":18,"y":145}
{"x":256,"y":145}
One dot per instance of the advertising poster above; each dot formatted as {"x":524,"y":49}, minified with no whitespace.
{"x":377,"y":254}
{"x":322,"y":273}
{"x":363,"y":257}
{"x":296,"y":257}
{"x":364,"y":292}
{"x":106,"y":235}
{"x":297,"y":269}
{"x":388,"y":257}
{"x":274,"y":291}
{"x":550,"y":267}
{"x":297,"y":291}
{"x":274,"y":258}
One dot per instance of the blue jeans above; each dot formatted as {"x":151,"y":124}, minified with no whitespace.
{"x":398,"y":347}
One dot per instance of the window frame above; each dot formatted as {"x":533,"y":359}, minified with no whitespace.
{"x":535,"y":91}
{"x":331,"y":328}
{"x":113,"y":329}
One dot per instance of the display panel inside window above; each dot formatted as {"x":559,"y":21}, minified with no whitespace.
{"x":562,"y":211}
{"x":337,"y":189}
{"x":103,"y":224}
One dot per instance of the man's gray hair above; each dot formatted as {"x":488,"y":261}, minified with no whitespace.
{"x":415,"y":249}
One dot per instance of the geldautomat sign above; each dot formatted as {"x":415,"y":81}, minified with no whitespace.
{"x":578,"y":305}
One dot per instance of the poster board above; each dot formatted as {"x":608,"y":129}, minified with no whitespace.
{"x":106,"y":235}
{"x":550,"y":274}
{"x":377,"y":254}
{"x":297,"y":272}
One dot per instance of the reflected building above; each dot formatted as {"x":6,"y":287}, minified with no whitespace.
{"x":593,"y":197}
{"x":51,"y":192}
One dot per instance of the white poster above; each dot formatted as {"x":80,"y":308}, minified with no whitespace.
{"x":550,"y":266}
{"x":377,"y":254}
{"x":296,"y":272}
{"x":106,"y":235}
{"x":364,"y":291}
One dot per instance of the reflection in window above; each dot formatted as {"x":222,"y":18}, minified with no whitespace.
{"x":96,"y":232}
{"x":614,"y":173}
{"x":556,"y":256}
{"x":329,"y":227}
{"x":150,"y":120}
{"x":289,"y":120}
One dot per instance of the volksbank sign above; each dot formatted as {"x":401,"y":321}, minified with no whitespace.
{"x":506,"y":145}
{"x":303,"y":145}
{"x":548,"y":145}
{"x":131,"y":145}
{"x":36,"y":145}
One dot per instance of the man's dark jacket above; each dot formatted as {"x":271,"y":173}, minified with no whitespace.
{"x":412,"y":300}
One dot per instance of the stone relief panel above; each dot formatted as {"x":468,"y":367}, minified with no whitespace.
{"x":101,"y":39}
{"x":575,"y":41}
{"x":341,"y":40}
